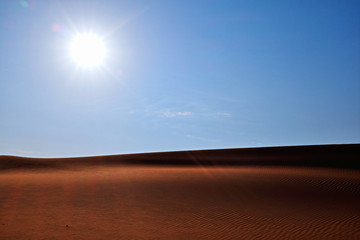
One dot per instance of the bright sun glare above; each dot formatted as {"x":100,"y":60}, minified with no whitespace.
{"x":88,"y":50}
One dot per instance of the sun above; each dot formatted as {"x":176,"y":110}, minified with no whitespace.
{"x":88,"y":50}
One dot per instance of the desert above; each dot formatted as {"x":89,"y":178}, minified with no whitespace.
{"x":257,"y":193}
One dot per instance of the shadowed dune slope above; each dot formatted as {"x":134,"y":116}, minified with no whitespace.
{"x":332,"y":156}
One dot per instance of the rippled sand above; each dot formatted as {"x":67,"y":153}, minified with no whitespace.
{"x":181,"y":203}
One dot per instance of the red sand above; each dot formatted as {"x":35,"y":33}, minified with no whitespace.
{"x":178,"y":202}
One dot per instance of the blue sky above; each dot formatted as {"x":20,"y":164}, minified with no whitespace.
{"x":178,"y":75}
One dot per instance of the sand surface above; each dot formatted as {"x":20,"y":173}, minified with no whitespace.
{"x":180,"y":202}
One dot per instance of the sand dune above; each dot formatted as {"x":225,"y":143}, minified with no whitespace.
{"x":308,"y":192}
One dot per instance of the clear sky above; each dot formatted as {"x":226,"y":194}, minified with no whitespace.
{"x":178,"y":75}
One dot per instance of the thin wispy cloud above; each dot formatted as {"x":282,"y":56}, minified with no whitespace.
{"x":223,"y":114}
{"x":173,"y":114}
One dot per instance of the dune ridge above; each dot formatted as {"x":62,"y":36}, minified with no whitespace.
{"x":330,"y":156}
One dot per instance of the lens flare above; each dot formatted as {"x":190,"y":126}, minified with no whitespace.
{"x":55,"y":27}
{"x":24,"y":3}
